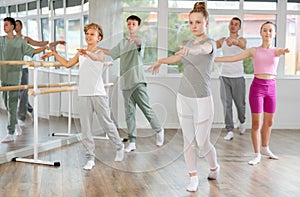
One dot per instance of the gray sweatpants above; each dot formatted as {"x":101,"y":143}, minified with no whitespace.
{"x":233,"y":89}
{"x":98,"y":104}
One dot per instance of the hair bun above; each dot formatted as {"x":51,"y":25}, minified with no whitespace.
{"x":199,"y":5}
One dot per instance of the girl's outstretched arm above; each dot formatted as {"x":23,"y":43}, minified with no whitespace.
{"x":202,"y":49}
{"x":234,"y":58}
{"x":168,"y":60}
{"x":280,"y":51}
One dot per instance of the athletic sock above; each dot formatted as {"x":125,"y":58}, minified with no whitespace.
{"x":266,"y":151}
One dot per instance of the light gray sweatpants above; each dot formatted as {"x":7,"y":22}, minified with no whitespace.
{"x":233,"y":89}
{"x":98,"y":104}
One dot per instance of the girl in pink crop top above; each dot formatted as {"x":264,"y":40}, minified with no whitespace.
{"x":262,"y":94}
{"x":265,"y":61}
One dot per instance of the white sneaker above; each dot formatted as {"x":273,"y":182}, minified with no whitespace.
{"x":120,"y":154}
{"x":130,"y":147}
{"x":242,"y":128}
{"x":213,"y":175}
{"x":89,"y":165}
{"x":256,"y":160}
{"x":8,"y":138}
{"x":193,"y":185}
{"x":267,"y":152}
{"x":229,"y":136}
{"x":18,"y":130}
{"x":21,"y":123}
{"x":160,"y":137}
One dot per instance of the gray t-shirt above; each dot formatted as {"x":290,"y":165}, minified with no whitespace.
{"x":131,"y":63}
{"x":195,"y":82}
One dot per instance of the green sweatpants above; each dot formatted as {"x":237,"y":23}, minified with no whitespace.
{"x":138,"y":96}
{"x":11,"y":103}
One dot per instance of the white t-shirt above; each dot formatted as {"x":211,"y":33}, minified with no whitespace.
{"x":90,"y":77}
{"x":232,"y":69}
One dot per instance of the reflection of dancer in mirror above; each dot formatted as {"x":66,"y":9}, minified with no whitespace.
{"x":262,"y":95}
{"x":130,"y":50}
{"x":24,"y":104}
{"x":91,"y":93}
{"x":13,"y":48}
{"x":232,"y":81}
{"x":195,"y":106}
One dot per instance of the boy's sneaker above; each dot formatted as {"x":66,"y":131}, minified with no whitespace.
{"x":160,"y":137}
{"x":130,"y":147}
{"x":8,"y":138}
{"x":229,"y":136}
{"x":89,"y":165}
{"x":120,"y":154}
{"x":242,"y":128}
{"x":18,"y":129}
{"x":21,"y":123}
{"x":213,"y":175}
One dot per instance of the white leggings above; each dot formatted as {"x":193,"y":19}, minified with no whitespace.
{"x":196,"y":116}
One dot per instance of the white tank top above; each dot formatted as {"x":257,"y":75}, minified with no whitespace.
{"x":232,"y":69}
{"x":90,"y":77}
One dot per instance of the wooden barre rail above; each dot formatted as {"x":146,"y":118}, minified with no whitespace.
{"x":38,"y":63}
{"x":23,"y":87}
{"x":57,"y":90}
{"x":51,"y":90}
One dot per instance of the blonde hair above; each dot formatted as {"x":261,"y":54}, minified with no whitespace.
{"x":200,"y":7}
{"x":96,"y":27}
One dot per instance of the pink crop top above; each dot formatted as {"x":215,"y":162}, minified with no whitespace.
{"x":265,"y":61}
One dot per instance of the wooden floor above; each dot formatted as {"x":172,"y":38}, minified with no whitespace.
{"x":158,"y":172}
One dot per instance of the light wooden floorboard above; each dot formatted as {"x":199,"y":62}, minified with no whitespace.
{"x":155,"y":172}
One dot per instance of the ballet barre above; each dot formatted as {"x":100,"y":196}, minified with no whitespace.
{"x":24,"y":87}
{"x":48,"y":89}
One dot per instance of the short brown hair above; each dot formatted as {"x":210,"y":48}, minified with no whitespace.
{"x":94,"y":26}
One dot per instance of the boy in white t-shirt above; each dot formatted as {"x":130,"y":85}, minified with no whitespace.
{"x":91,"y":92}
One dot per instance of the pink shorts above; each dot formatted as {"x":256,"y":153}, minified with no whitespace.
{"x":262,"y":95}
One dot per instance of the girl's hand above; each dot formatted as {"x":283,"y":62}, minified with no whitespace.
{"x":46,"y":55}
{"x":284,"y":51}
{"x":183,"y":51}
{"x":155,"y":68}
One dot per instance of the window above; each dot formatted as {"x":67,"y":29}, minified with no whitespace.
{"x":73,"y":6}
{"x":58,"y":7}
{"x":59,"y":34}
{"x":22,"y":10}
{"x":73,"y":37}
{"x":45,"y":29}
{"x":260,"y":5}
{"x":12,"y":11}
{"x":32,"y":8}
{"x":140,"y":3}
{"x":44,"y":7}
{"x":293,"y":5}
{"x":292,"y":59}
